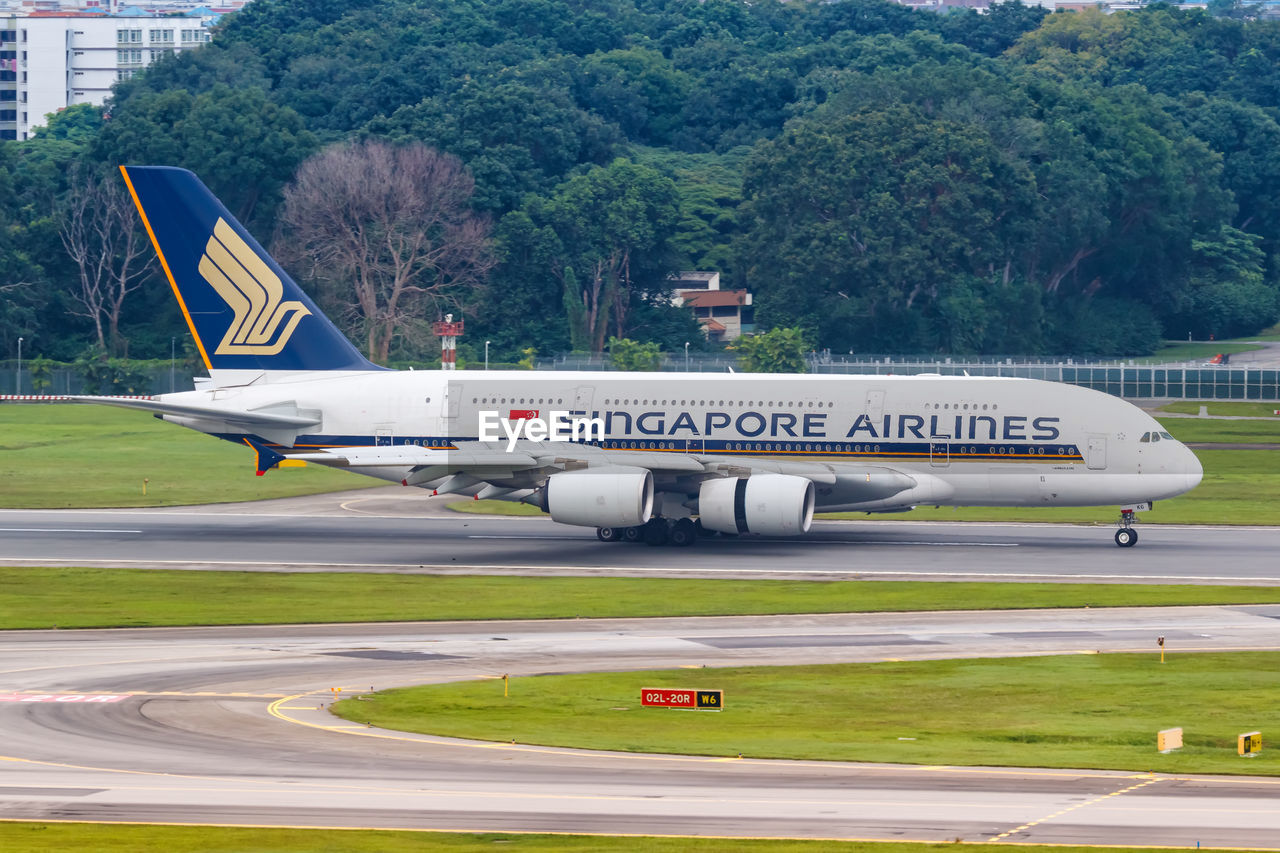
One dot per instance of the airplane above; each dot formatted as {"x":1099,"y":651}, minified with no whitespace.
{"x":663,"y":458}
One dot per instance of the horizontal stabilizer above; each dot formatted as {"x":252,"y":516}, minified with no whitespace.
{"x":272,"y":416}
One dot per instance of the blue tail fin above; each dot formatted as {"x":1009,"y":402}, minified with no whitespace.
{"x":243,"y":309}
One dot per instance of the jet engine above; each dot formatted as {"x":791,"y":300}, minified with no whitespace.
{"x":611,"y":496}
{"x":772,"y":504}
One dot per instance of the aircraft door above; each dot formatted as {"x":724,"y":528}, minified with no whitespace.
{"x":582,"y":397}
{"x":382,"y":438}
{"x":940,"y":451}
{"x":875,"y":405}
{"x":451,"y":408}
{"x":1096,"y":455}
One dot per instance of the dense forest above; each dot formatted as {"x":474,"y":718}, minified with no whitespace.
{"x":886,"y":180}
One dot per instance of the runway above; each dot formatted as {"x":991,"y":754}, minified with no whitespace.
{"x":223,"y":726}
{"x":227,"y":725}
{"x":389,"y":531}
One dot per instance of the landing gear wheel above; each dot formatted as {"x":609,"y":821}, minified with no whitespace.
{"x":1126,"y":536}
{"x":684,"y":533}
{"x":655,"y":532}
{"x":609,"y":534}
{"x":632,"y":534}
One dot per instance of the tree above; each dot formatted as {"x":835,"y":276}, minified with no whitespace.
{"x":102,"y":235}
{"x":626,"y":354}
{"x":390,"y":231}
{"x":242,"y":145}
{"x":575,"y":312}
{"x":614,"y":224}
{"x":775,"y":351}
{"x":861,"y":223}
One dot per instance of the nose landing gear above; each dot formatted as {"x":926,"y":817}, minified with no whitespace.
{"x":1126,"y":536}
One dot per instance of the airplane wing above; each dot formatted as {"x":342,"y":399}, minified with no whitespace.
{"x":489,"y":469}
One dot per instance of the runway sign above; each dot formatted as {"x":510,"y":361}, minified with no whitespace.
{"x":1169,"y":740}
{"x":1249,"y":744}
{"x":698,"y":700}
{"x":62,"y":698}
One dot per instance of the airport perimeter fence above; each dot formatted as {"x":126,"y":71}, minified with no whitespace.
{"x":1191,"y":381}
{"x":69,"y":380}
{"x":1166,"y":381}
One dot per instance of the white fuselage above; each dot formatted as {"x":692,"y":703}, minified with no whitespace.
{"x":965,"y":440}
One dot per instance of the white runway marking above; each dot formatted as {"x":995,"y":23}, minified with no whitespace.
{"x":819,"y":541}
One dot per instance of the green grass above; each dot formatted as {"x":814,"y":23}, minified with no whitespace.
{"x":1083,"y":710}
{"x":32,"y":837}
{"x":94,"y":598}
{"x":98,"y":456}
{"x":1197,"y":351}
{"x":496,"y":508}
{"x":1213,"y":431}
{"x":1230,"y":408}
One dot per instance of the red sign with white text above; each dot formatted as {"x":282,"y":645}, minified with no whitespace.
{"x":522,"y":414}
{"x":661,"y":697}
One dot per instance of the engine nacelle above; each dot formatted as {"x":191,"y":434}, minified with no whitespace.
{"x":772,"y":504}
{"x":612,"y":496}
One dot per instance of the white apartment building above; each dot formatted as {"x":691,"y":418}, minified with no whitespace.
{"x":51,"y":61}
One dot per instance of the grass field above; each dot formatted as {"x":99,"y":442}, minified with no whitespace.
{"x":1229,"y":408}
{"x":128,"y":598}
{"x":1082,"y":710}
{"x":1211,"y":431}
{"x":29,"y":837}
{"x":98,"y":456}
{"x":1196,"y":351}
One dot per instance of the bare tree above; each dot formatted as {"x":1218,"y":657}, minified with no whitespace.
{"x":103,"y":235}
{"x":390,"y":229}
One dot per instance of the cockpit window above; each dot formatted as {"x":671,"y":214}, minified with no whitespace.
{"x":1164,"y":434}
{"x":1146,"y":438}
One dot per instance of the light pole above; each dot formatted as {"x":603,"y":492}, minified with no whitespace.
{"x":173,"y":352}
{"x":486,"y":354}
{"x":686,"y":356}
{"x":17,"y":388}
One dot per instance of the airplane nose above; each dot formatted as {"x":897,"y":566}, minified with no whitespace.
{"x":1192,"y":469}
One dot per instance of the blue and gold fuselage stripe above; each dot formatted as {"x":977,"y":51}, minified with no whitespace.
{"x":954,"y":451}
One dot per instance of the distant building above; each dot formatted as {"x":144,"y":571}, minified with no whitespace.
{"x":52,"y":60}
{"x":723,"y":314}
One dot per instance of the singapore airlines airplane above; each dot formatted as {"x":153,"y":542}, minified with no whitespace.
{"x":654,"y":457}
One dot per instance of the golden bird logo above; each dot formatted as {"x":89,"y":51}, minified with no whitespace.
{"x":252,"y":291}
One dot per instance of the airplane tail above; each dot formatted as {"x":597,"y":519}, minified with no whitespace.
{"x":244,"y":311}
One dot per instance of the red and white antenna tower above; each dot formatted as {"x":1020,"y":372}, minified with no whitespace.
{"x":449,"y":333}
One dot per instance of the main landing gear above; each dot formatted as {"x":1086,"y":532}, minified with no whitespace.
{"x":681,"y":532}
{"x":1126,"y":536}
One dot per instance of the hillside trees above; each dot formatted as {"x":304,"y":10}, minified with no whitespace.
{"x":1019,"y":182}
{"x":864,"y":221}
{"x":243,"y":146}
{"x":613,"y":226}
